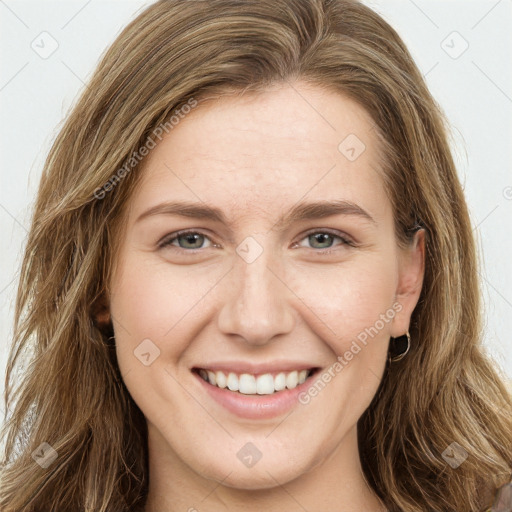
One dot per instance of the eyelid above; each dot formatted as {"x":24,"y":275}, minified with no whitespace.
{"x":166,"y":241}
{"x":340,"y":234}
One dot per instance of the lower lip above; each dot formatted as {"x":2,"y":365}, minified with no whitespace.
{"x":256,"y":407}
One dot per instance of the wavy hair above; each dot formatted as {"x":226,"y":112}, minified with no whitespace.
{"x":63,"y":383}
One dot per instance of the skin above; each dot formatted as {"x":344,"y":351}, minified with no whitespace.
{"x":255,"y":157}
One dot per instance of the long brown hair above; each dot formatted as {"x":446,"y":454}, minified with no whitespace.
{"x":63,"y":383}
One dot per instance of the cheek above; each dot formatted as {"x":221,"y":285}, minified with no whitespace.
{"x":352,"y":312}
{"x":154,"y":301}
{"x":151,"y":300}
{"x":349,"y":300}
{"x":170,"y":305}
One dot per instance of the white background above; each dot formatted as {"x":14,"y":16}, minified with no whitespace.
{"x":474,"y":89}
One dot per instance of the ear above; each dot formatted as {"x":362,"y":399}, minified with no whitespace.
{"x":100,"y":312}
{"x":411,"y":270}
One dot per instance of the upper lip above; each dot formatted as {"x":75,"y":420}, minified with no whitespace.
{"x":240,"y":367}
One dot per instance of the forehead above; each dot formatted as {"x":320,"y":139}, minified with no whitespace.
{"x":258,"y":154}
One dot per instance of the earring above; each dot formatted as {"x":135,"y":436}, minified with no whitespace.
{"x":399,"y":347}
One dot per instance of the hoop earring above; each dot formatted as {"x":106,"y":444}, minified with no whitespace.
{"x":399,"y":347}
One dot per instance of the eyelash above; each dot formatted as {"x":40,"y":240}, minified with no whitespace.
{"x":167,"y":241}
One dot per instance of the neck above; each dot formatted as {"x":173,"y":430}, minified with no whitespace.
{"x":335,"y":483}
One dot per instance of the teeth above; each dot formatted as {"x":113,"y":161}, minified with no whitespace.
{"x":280,"y":381}
{"x":292,"y":379}
{"x":232,"y":382}
{"x":221,"y":379}
{"x":248,"y":384}
{"x":265,"y":384}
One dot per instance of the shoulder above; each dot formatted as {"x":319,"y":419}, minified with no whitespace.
{"x":503,"y":499}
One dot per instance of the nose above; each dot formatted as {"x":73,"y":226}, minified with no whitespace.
{"x":256,"y":304}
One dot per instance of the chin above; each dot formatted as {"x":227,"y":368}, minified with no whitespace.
{"x":267,"y":473}
{"x":266,"y":477}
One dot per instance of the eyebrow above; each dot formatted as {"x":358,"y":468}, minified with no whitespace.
{"x":301,"y":211}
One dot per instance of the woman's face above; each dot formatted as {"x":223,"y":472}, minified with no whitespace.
{"x":265,"y":284}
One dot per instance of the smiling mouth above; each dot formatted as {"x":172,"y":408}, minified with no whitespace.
{"x":249,"y":384}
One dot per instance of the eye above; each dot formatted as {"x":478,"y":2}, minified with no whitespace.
{"x":186,"y":240}
{"x":194,"y":240}
{"x":325,"y":239}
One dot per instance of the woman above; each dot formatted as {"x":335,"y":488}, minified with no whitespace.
{"x":196,"y":346}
